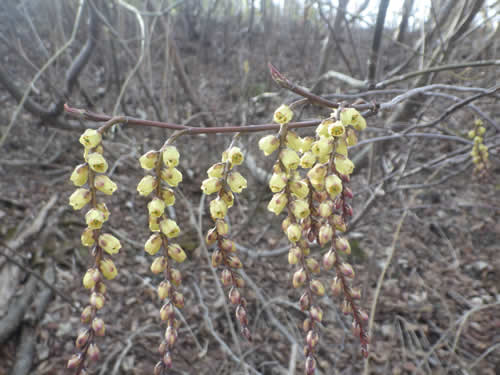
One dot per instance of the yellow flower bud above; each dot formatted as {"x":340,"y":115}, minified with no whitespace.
{"x":79,"y":198}
{"x":359,"y":123}
{"x":168,"y":196}
{"x":97,"y":162}
{"x":108,"y":269}
{"x":317,"y":173}
{"x":325,"y":208}
{"x":216,"y":170}
{"x":325,"y":234}
{"x":294,"y":232}
{"x":164,"y":289}
{"x":211,"y":185}
{"x":90,"y":278}
{"x":176,"y":253}
{"x":109,"y":243}
{"x":94,"y":218}
{"x":283,"y":114}
{"x":277,"y":203}
{"x":97,"y":300}
{"x":236,"y":182}
{"x":80,"y":175}
{"x":299,"y":278}
{"x":293,"y":255}
{"x":104,"y":209}
{"x":169,"y":228}
{"x":344,"y":166}
{"x":352,"y":138}
{"x":289,"y":158}
{"x":227,"y":197}
{"x":341,"y":147}
{"x":104,"y":184}
{"x":172,"y":176}
{"x":218,"y":209}
{"x":170,"y":156}
{"x":336,"y":129}
{"x":222,"y":227}
{"x":154,"y":225}
{"x":269,"y":144}
{"x":159,"y":265}
{"x":299,"y":188}
{"x":153,"y":244}
{"x":471,"y":134}
{"x":235,"y":156}
{"x":317,"y":287}
{"x":98,"y":326}
{"x":342,"y":245}
{"x":156,"y":207}
{"x":149,"y":159}
{"x":313,"y":265}
{"x":333,"y":185}
{"x":277,"y":182}
{"x":87,"y":237}
{"x":347,"y":270}
{"x":329,"y":260}
{"x":306,"y":143}
{"x":293,"y":141}
{"x":481,"y":130}
{"x":147,"y":185}
{"x":307,"y":160}
{"x":322,"y":147}
{"x":90,"y":138}
{"x":300,"y":208}
{"x":349,"y":116}
{"x":322,"y":129}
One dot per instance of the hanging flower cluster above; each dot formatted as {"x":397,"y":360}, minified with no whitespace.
{"x":91,"y":175}
{"x":225,"y":181}
{"x":164,"y":230}
{"x":317,"y":211}
{"x":479,"y":151}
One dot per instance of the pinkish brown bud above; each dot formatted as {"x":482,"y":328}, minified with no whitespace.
{"x":158,"y":368}
{"x":234,"y":262}
{"x":310,"y":365}
{"x":305,"y":301}
{"x":317,"y":287}
{"x":74,"y":361}
{"x":167,"y":311}
{"x":162,"y":348}
{"x":82,"y":339}
{"x":355,"y":293}
{"x":228,"y":245}
{"x":178,"y":300}
{"x":312,"y":339}
{"x":356,"y":329}
{"x":170,"y":336}
{"x":346,"y":308}
{"x":336,"y":287}
{"x":299,"y":278}
{"x":216,"y":258}
{"x":316,"y":313}
{"x":239,"y":282}
{"x":363,"y":315}
{"x":313,"y":265}
{"x":234,"y":296}
{"x":246,"y":333}
{"x":86,"y":315}
{"x":226,"y":277}
{"x":98,"y":327}
{"x":175,"y":276}
{"x":329,"y":260}
{"x":307,"y":325}
{"x":211,"y":236}
{"x":347,"y":192}
{"x":167,"y":360}
{"x":241,"y":315}
{"x":93,"y":353}
{"x":348,"y":209}
{"x":347,"y":270}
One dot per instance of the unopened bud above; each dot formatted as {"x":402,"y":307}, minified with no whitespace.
{"x":325,"y":208}
{"x":312,"y":339}
{"x":176,"y":253}
{"x":310,"y":365}
{"x":86,"y":315}
{"x":347,"y":192}
{"x":178,"y":300}
{"x":216,"y":258}
{"x":228,"y":246}
{"x":239,"y":282}
{"x":325,"y":234}
{"x":363,"y":315}
{"x":211,"y":236}
{"x":348,"y":210}
{"x":97,"y":300}
{"x":164,"y":289}
{"x":329,"y":260}
{"x":346,"y":307}
{"x":294,"y":232}
{"x":167,"y":311}
{"x":226,"y":277}
{"x":153,"y":244}
{"x":342,"y":245}
{"x":167,"y":360}
{"x":82,"y":339}
{"x":347,"y":270}
{"x":317,"y":287}
{"x":339,"y":223}
{"x":355,"y":293}
{"x":305,"y":301}
{"x":159,"y":265}
{"x":234,"y":296}
{"x":74,"y":361}
{"x":170,"y":336}
{"x":241,"y":315}
{"x":316,"y":313}
{"x":307,"y":325}
{"x":93,"y":352}
{"x":336,"y":287}
{"x":313,"y":265}
{"x":98,"y":327}
{"x":175,"y":276}
{"x":234,"y":262}
{"x":299,"y":278}
{"x":222,"y":227}
{"x":356,"y":329}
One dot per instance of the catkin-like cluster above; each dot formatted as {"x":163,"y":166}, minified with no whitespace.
{"x":164,"y":230}
{"x":224,"y":180}
{"x":317,"y":212}
{"x":479,"y":151}
{"x":91,"y":174}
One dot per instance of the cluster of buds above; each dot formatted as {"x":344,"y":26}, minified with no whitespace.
{"x":91,"y":175}
{"x":479,"y":151}
{"x":317,"y":211}
{"x":225,"y":181}
{"x":164,"y":229}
